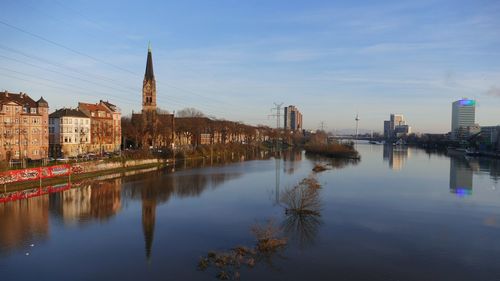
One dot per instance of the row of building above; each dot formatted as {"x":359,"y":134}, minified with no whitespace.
{"x":463,"y":126}
{"x":28,"y":131}
{"x":88,"y":128}
{"x":396,"y":127}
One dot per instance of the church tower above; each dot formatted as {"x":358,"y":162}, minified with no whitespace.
{"x":149,"y":85}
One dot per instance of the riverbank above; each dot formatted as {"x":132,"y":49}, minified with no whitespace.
{"x":79,"y":171}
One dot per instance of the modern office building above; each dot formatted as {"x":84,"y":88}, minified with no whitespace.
{"x":293,"y":118}
{"x":462,"y":116}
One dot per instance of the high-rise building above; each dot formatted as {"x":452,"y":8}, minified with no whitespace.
{"x":396,"y":126}
{"x":462,"y":116}
{"x":293,"y":118}
{"x":387,"y":129}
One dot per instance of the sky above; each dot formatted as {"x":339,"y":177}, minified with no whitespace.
{"x":235,"y":59}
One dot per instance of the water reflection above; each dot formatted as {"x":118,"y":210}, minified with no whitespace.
{"x":291,"y":159}
{"x":396,"y":156}
{"x":334,"y":163}
{"x":460,"y":176}
{"x":23,"y":221}
{"x":462,"y":170}
{"x":98,"y":200}
{"x":158,"y":188}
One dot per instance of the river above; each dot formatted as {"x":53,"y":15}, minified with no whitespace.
{"x":397,"y":214}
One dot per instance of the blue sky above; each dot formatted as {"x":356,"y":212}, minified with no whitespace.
{"x":234,"y":59}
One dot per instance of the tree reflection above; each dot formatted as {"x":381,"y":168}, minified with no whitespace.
{"x":302,"y":228}
{"x":334,"y":163}
{"x":302,"y":211}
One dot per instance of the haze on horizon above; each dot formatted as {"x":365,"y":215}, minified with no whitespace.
{"x":234,"y":59}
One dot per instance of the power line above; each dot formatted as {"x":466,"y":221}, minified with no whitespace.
{"x":277,"y":108}
{"x":65,"y":47}
{"x":92,"y":57}
{"x":161,"y":98}
{"x":19,"y":29}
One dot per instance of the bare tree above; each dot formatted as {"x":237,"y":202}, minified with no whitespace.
{"x":190,"y":112}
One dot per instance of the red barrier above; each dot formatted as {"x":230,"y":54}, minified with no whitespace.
{"x":35,"y":173}
{"x":25,"y":194}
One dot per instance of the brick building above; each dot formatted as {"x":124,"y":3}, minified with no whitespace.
{"x":23,"y":127}
{"x":156,"y":127}
{"x":102,"y":132}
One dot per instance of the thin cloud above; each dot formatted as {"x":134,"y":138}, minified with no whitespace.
{"x":493,"y":91}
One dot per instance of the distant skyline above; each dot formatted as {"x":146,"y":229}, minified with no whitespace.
{"x":234,"y":59}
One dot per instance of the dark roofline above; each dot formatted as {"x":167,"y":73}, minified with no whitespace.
{"x":68,"y":112}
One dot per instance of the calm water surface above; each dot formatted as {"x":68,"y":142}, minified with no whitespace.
{"x":398,"y":214}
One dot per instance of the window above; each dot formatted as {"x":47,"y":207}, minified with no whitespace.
{"x":33,"y":110}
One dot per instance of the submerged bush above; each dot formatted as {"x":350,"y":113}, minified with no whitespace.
{"x":229,"y":263}
{"x":302,"y":198}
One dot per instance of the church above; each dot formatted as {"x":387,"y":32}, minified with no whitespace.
{"x":155,"y":125}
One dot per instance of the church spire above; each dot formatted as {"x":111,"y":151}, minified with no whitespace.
{"x":149,"y":75}
{"x":149,"y":85}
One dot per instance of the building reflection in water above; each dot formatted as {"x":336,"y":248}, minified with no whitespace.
{"x":396,"y":156}
{"x":23,"y":221}
{"x":291,"y":160}
{"x":461,"y":179}
{"x":158,"y":188}
{"x":462,"y":170}
{"x":99,"y":200}
{"x":27,"y":220}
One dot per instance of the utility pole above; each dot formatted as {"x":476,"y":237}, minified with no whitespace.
{"x":277,"y":108}
{"x":322,"y":125}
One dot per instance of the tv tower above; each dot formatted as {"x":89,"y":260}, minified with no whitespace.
{"x":357,"y":121}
